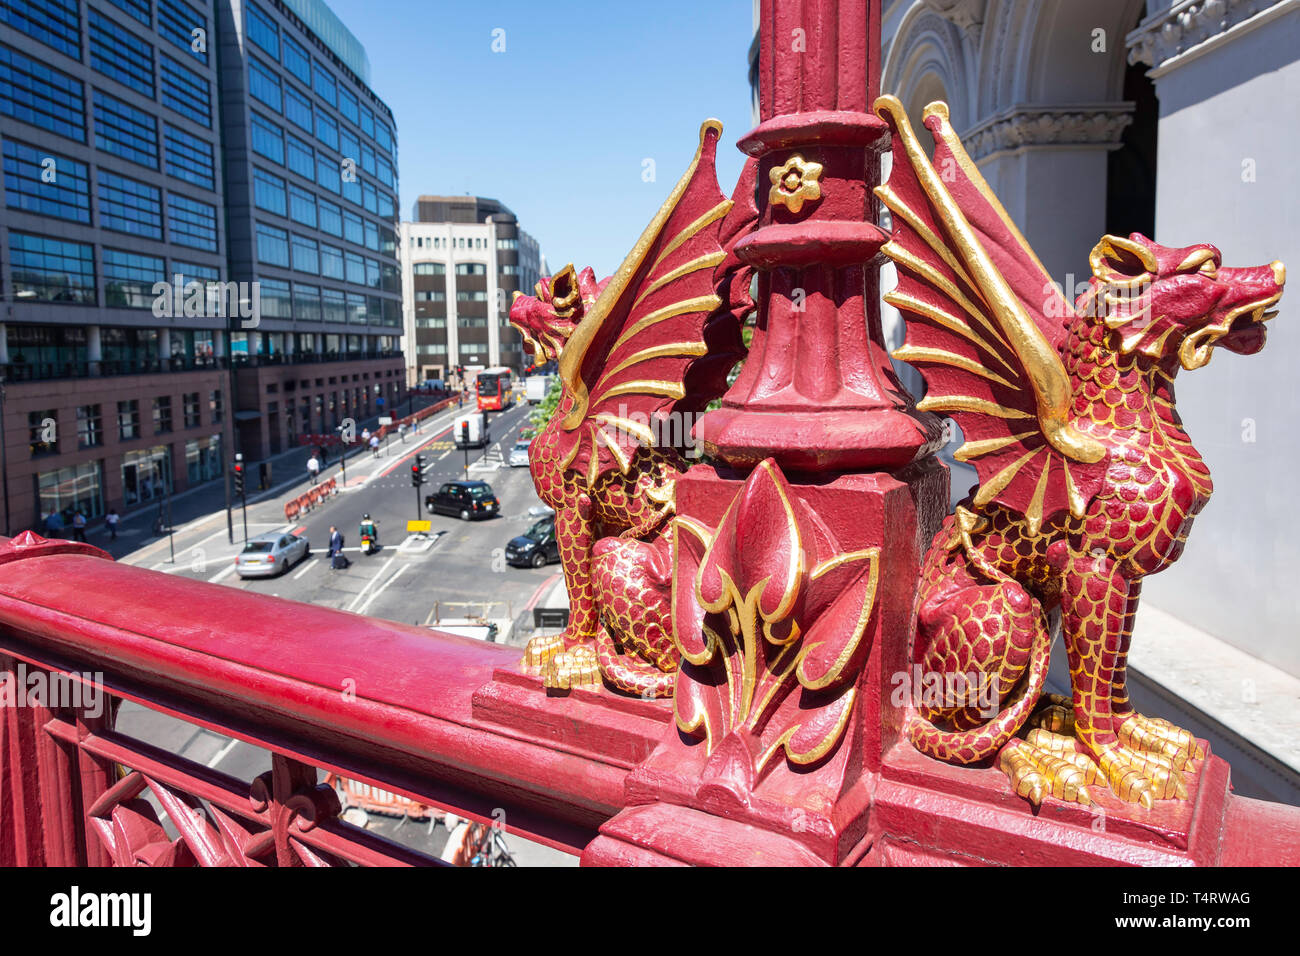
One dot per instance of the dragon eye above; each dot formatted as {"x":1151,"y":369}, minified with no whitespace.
{"x":1208,"y":268}
{"x":1203,"y":261}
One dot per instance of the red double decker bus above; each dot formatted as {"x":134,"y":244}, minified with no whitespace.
{"x":495,"y":387}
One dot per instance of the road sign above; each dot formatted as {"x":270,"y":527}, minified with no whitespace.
{"x":385,"y":420}
{"x":413,"y":526}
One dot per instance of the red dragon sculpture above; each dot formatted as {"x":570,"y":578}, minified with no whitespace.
{"x":641,"y":354}
{"x":1088,"y":481}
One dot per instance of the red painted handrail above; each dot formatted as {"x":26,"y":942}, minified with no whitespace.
{"x":394,"y":706}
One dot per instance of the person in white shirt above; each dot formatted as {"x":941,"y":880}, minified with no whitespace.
{"x":313,"y":468}
{"x":374,"y":445}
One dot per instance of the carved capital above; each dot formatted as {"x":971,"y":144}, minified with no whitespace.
{"x":1192,"y":26}
{"x":1023,"y":126}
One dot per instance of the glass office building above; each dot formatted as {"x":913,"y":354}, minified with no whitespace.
{"x":195,"y":258}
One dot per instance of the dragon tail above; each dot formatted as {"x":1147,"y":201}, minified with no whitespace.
{"x":971,"y":746}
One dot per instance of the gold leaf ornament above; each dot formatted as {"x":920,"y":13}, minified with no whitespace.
{"x":794,"y":183}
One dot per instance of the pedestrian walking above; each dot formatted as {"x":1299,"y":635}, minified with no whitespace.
{"x":78,"y":526}
{"x":365,"y":437}
{"x":110,"y":521}
{"x":374,"y":445}
{"x":401,"y":431}
{"x":338,"y":560}
{"x":313,"y":468}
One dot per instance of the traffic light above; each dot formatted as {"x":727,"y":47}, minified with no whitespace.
{"x":417,"y":471}
{"x":238,"y":472}
{"x":464,"y":434}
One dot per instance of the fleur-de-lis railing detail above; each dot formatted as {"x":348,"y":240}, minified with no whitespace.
{"x":770,"y":614}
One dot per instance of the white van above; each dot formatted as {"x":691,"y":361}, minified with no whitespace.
{"x":470,"y":430}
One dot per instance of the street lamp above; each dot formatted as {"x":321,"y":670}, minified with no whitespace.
{"x":343,"y":455}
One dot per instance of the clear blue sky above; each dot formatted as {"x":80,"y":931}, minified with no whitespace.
{"x":558,"y":125}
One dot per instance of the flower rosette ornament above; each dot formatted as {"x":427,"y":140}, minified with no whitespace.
{"x":769,"y":613}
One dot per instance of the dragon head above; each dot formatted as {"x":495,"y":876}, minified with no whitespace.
{"x":547,"y":319}
{"x":1182,"y":302}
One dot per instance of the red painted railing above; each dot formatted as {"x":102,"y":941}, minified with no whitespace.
{"x":424,"y":715}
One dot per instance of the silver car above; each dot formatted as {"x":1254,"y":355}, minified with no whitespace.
{"x":271,"y":554}
{"x":519,"y":454}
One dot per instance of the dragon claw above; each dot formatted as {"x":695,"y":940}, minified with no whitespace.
{"x":1152,"y":735}
{"x":1047,"y":763}
{"x":573,"y":668}
{"x":1141,"y":777}
{"x":540,"y":651}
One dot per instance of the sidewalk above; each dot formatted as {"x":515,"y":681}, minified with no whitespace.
{"x":288,"y":470}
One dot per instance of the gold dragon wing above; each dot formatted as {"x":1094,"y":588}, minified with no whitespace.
{"x":985,"y":326}
{"x":655,"y":346}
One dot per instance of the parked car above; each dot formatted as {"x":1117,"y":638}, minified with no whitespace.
{"x":519,"y":454}
{"x":535,"y":547}
{"x":271,"y":554}
{"x":464,"y":499}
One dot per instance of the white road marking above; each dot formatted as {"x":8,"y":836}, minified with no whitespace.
{"x":221,"y":754}
{"x":380,"y":590}
{"x":306,"y":566}
{"x":229,"y":570}
{"x":444,"y":454}
{"x":357,"y":600}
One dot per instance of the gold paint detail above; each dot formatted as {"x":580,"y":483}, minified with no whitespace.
{"x":993,"y":487}
{"x":978,"y":449}
{"x":917,"y":353}
{"x":701,"y":303}
{"x":1034,"y":514}
{"x":795,"y":182}
{"x":1042,"y":365}
{"x":575,"y":350}
{"x":667,"y":350}
{"x":709,"y":261}
{"x":968,"y":403}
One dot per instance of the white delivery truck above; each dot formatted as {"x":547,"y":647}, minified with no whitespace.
{"x":470,"y":430}
{"x":536,"y":387}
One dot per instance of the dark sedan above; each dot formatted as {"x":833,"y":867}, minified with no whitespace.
{"x":535,"y":547}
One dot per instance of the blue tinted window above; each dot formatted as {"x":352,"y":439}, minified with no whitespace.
{"x":52,"y":270}
{"x":348,"y":105}
{"x":136,"y":8}
{"x":305,"y":255}
{"x":369,"y":199}
{"x":54,"y":22}
{"x":385,"y":173}
{"x":264,"y":84}
{"x":350,"y":145}
{"x":302,"y":206}
{"x":129,"y":206}
{"x":323,"y":81}
{"x":188,"y":157}
{"x":327,"y":173}
{"x":352,"y":229}
{"x":372,"y":236}
{"x":191,"y":223}
{"x":129,"y":278}
{"x":352,"y":188}
{"x":125,"y":130}
{"x":177,"y":22}
{"x":185,"y":91}
{"x":356,"y":268}
{"x":296,"y":60}
{"x":331,"y":261}
{"x":297,"y":108}
{"x":118,"y":53}
{"x":268,"y":192}
{"x":384,"y":137}
{"x":34,"y":184}
{"x":35,"y":93}
{"x":386,"y":207}
{"x":367,"y":158}
{"x":272,"y":245}
{"x":327,"y":131}
{"x":302,"y":159}
{"x":367,"y":122}
{"x":331,"y":218}
{"x":262,"y":30}
{"x":268,"y":139}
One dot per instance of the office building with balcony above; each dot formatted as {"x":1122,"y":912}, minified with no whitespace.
{"x":111,"y":139}
{"x":311,"y":199}
{"x":198,"y":247}
{"x":463,"y":258}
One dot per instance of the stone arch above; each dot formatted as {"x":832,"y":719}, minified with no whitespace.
{"x":926,"y":61}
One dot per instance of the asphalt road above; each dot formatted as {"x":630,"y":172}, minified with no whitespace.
{"x":461,"y":573}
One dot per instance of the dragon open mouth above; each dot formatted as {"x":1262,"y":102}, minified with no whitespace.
{"x":1241,"y":330}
